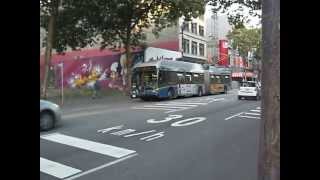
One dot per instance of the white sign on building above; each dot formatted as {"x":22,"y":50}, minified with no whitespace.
{"x":156,"y":54}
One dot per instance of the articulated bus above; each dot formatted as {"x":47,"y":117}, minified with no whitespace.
{"x":219,"y":80}
{"x":171,"y":79}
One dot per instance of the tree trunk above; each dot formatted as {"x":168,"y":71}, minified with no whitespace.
{"x":48,"y":53}
{"x":269,"y":150}
{"x":128,"y":68}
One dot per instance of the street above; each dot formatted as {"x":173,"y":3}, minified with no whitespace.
{"x":209,"y":138}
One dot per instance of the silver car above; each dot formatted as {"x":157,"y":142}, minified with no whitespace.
{"x":50,"y":115}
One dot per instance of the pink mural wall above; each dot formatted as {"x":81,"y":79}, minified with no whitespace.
{"x":81,"y":69}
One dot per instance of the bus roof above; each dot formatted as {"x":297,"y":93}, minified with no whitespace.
{"x":168,"y":65}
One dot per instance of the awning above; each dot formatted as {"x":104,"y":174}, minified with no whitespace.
{"x":242,"y":74}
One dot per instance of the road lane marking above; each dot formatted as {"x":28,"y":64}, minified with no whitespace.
{"x":251,"y":117}
{"x":258,"y":108}
{"x":100,"y":148}
{"x":171,"y":107}
{"x":56,"y":169}
{"x":233,"y":116}
{"x":188,"y":102}
{"x":258,"y":114}
{"x":143,"y":108}
{"x":255,"y":110}
{"x":179,"y":104}
{"x":101,"y":167}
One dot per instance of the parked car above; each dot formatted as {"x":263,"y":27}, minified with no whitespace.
{"x":249,"y":89}
{"x":50,"y":115}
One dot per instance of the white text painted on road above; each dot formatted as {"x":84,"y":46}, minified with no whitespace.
{"x":153,"y":136}
{"x":250,"y":117}
{"x":123,"y":132}
{"x":100,"y":148}
{"x":258,"y":114}
{"x":110,"y":129}
{"x":56,"y":169}
{"x":171,"y":117}
{"x":233,"y":116}
{"x":188,"y":122}
{"x":137,"y":134}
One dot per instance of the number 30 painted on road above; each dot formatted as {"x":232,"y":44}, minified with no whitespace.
{"x":180,"y":123}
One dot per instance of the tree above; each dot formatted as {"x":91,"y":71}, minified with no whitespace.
{"x":63,"y":20}
{"x":111,"y":22}
{"x":126,"y":21}
{"x":247,"y":40}
{"x":269,"y":147}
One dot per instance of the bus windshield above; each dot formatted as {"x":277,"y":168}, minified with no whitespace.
{"x":145,"y":77}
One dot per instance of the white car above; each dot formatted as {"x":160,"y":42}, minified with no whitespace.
{"x":249,"y":89}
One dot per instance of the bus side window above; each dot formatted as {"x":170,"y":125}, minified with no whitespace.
{"x":180,"y":78}
{"x":188,"y":78}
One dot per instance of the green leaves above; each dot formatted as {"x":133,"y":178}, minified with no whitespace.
{"x":79,"y":23}
{"x":246,"y":40}
{"x":237,"y":18}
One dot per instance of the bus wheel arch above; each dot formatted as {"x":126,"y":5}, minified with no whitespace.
{"x":171,"y":93}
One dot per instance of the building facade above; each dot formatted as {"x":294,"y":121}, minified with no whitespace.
{"x":187,"y":37}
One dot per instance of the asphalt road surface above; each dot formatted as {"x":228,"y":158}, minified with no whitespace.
{"x":209,"y":138}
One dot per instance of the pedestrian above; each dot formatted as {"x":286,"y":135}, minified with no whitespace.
{"x":96,"y":89}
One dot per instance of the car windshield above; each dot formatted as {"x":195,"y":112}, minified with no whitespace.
{"x":248,"y":84}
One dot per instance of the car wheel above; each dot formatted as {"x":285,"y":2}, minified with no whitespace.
{"x":46,"y":121}
{"x":239,"y":97}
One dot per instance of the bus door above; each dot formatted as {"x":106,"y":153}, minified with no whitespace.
{"x":181,"y":84}
{"x":219,"y":86}
{"x":188,"y":84}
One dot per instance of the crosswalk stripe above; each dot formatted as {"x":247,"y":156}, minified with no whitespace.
{"x":56,"y":169}
{"x":253,"y":113}
{"x":252,"y":117}
{"x":258,"y":108}
{"x":100,"y":148}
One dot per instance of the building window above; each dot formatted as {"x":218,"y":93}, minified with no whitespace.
{"x":201,"y":49}
{"x":194,"y":48}
{"x":194,"y":28}
{"x":186,"y":45}
{"x":201,"y":31}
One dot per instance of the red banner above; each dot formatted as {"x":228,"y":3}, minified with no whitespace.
{"x":223,"y":53}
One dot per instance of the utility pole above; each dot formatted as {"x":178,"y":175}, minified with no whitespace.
{"x":269,"y":147}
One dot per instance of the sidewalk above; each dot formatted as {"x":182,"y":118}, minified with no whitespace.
{"x":86,"y":101}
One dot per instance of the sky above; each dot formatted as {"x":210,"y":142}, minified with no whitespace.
{"x":254,"y":21}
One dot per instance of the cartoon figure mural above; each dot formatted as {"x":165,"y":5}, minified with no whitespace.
{"x":86,"y":71}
